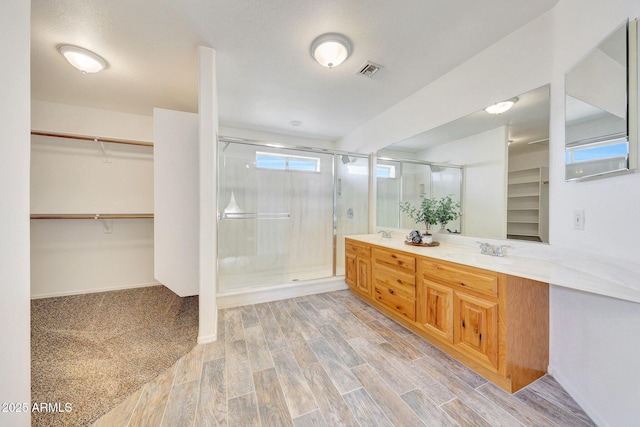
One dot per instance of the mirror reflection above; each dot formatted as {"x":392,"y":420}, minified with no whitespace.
{"x":502,"y":171}
{"x":597,"y":100}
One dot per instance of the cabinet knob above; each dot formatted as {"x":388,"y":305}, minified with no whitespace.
{"x":463,"y":324}
{"x":391,"y":291}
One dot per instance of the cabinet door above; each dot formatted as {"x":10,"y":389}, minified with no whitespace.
{"x":436,"y":309}
{"x":351,"y":273}
{"x":363,"y":282}
{"x":476,"y":328}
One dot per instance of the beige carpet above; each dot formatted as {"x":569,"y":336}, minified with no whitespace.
{"x":91,"y":351}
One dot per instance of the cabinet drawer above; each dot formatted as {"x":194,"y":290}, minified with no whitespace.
{"x":361,"y":250}
{"x":395,"y":259}
{"x":404,"y":283}
{"x":478,"y":280}
{"x":396,"y":300}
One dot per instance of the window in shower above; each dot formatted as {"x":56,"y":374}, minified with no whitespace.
{"x":284,"y":162}
{"x":276,"y":215}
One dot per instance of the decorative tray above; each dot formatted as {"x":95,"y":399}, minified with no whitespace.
{"x":422,"y":244}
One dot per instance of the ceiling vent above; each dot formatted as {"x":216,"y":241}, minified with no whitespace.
{"x":368,"y":69}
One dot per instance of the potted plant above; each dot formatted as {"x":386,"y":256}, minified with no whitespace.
{"x":425,"y":213}
{"x":447,"y":210}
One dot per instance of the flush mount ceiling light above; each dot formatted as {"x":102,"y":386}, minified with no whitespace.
{"x":501,"y":107}
{"x":331,"y":49}
{"x":83,"y":59}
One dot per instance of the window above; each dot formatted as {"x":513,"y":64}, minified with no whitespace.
{"x":615,"y":149}
{"x":386,"y":171}
{"x":285,"y":162}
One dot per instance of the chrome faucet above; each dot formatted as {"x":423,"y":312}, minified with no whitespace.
{"x":385,"y":234}
{"x":488,"y":249}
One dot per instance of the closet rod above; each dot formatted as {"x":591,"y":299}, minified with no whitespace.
{"x":88,"y":138}
{"x":90,"y":216}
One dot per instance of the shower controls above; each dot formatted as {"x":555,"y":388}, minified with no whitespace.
{"x":350,"y":213}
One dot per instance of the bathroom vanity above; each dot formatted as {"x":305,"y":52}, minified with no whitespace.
{"x":493,"y":322}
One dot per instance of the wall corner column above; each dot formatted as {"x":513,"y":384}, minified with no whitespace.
{"x":208,"y":129}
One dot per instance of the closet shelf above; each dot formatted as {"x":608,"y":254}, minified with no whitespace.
{"x":91,"y":216}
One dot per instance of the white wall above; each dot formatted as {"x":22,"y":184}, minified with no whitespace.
{"x":70,"y":176}
{"x":176,"y":218}
{"x":484,"y":156}
{"x":537,"y":54}
{"x":14,"y":216}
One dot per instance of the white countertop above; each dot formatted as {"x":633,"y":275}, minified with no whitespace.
{"x":585,"y":272}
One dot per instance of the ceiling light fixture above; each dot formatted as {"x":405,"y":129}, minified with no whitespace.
{"x":501,"y":107}
{"x":83,"y":59}
{"x":331,"y":49}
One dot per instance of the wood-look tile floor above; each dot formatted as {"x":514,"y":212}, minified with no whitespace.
{"x":331,"y":360}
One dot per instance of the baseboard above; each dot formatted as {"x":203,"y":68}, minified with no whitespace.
{"x":92,"y":291}
{"x":207,"y":339}
{"x":577,"y":396}
{"x":280,"y":292}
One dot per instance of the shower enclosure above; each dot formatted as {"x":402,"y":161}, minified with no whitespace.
{"x":283,"y":213}
{"x":411,"y":181}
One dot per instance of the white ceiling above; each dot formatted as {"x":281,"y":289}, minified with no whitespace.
{"x":266,"y":77}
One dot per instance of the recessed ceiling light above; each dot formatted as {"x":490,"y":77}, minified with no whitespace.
{"x":83,"y":59}
{"x":501,"y":107}
{"x":331,"y":49}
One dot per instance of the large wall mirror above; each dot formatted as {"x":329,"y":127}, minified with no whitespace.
{"x":601,"y":124}
{"x":500,"y":162}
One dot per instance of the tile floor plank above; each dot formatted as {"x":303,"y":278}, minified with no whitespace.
{"x":398,"y":382}
{"x":310,"y":419}
{"x":366,"y":410}
{"x":181,"y":405}
{"x":523,"y":413}
{"x":238,"y":372}
{"x":342,"y":377}
{"x":249,"y":316}
{"x":493,"y":414}
{"x":272,"y":406}
{"x":270,"y":327}
{"x":212,"y":402}
{"x":405,"y":348}
{"x":333,"y":407}
{"x":189,"y":367}
{"x":398,"y":412}
{"x":464,"y":415}
{"x":243,"y":411}
{"x":346,"y":352}
{"x":153,"y":400}
{"x":121,"y":414}
{"x":233,"y":324}
{"x":257,"y":348}
{"x":544,"y":406}
{"x":467,"y":375}
{"x":427,"y":410}
{"x":294,"y":386}
{"x":316,"y":318}
{"x":436,"y":391}
{"x":554,"y":393}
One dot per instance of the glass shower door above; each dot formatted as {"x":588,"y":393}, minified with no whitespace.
{"x":275,"y":209}
{"x":351,"y":201}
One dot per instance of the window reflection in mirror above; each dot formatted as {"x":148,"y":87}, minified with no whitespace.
{"x":601,"y":92}
{"x":505,"y":158}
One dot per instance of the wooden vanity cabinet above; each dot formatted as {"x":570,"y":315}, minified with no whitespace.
{"x":358,"y":268}
{"x":494,"y":323}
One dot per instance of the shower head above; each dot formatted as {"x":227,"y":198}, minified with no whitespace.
{"x":345,"y":159}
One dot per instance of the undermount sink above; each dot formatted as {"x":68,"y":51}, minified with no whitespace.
{"x":464,"y":257}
